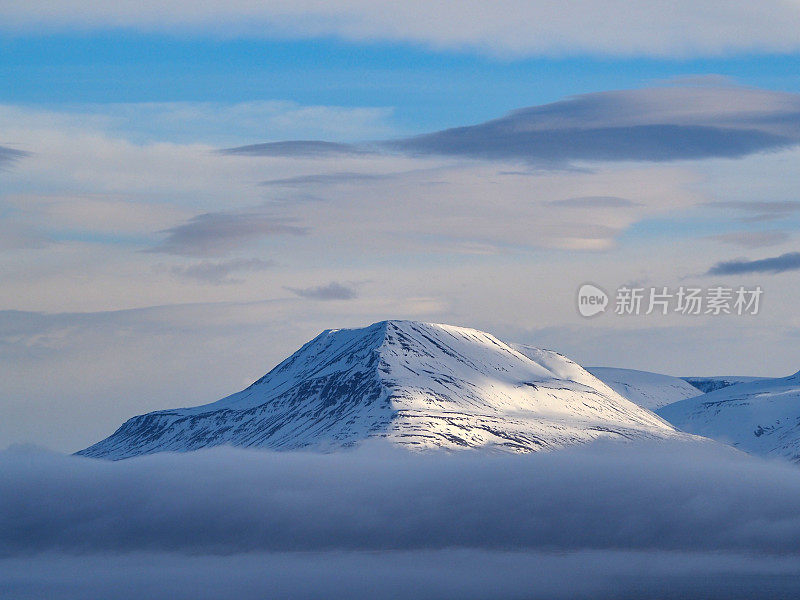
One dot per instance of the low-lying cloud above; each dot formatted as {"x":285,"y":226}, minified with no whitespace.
{"x":776,"y":264}
{"x":214,"y":234}
{"x":659,"y":497}
{"x":633,"y":520}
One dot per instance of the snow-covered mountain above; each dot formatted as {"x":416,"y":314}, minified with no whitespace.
{"x":417,"y":385}
{"x":649,"y":390}
{"x":760,"y":416}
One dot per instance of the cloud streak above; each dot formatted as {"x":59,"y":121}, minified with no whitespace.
{"x":214,"y":234}
{"x":758,"y":211}
{"x":9,"y":156}
{"x":220,"y":272}
{"x":753,"y":239}
{"x":776,"y":264}
{"x":331,"y":291}
{"x":297,"y":149}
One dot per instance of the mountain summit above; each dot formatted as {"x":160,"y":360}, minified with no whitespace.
{"x":418,"y":385}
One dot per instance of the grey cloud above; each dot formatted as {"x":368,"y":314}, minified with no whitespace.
{"x":9,"y":155}
{"x":653,"y":124}
{"x":297,"y":148}
{"x":753,"y":239}
{"x":219,"y":233}
{"x":760,"y":210}
{"x":18,"y":236}
{"x":220,"y":272}
{"x":654,"y":497}
{"x":777,"y":264}
{"x":324,"y":179}
{"x":331,"y":291}
{"x":595,"y":202}
{"x":510,"y":139}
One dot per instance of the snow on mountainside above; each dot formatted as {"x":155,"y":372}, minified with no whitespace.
{"x":760,"y":416}
{"x":648,"y":390}
{"x":420,"y":386}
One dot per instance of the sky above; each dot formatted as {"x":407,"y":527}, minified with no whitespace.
{"x":189,"y":193}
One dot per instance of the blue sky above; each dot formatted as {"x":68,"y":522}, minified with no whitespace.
{"x":645,"y":148}
{"x":426,"y":89}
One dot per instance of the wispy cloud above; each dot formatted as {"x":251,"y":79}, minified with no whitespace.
{"x":325,"y":179}
{"x":297,"y":148}
{"x":777,"y":264}
{"x":213,"y":234}
{"x":331,"y":291}
{"x":757,"y":211}
{"x":753,"y":239}
{"x":9,"y":155}
{"x":595,"y":202}
{"x":219,"y":272}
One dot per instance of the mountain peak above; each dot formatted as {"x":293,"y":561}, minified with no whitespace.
{"x":418,"y":385}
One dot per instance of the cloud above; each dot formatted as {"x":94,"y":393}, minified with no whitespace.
{"x":21,"y":236}
{"x":297,"y":148}
{"x":753,"y":239}
{"x":760,"y":210}
{"x":331,"y":291}
{"x":645,"y":496}
{"x":9,"y":155}
{"x":220,"y":233}
{"x":656,"y":124}
{"x":508,"y":27}
{"x":220,"y":272}
{"x":594,"y":202}
{"x":324,"y":179}
{"x":777,"y":264}
{"x":651,"y":124}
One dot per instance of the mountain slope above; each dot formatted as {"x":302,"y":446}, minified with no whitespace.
{"x":418,"y":385}
{"x":648,"y":390}
{"x":760,"y":416}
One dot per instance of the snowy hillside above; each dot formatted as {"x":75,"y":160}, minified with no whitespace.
{"x":417,"y":385}
{"x":649,"y":390}
{"x":761,"y":416}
